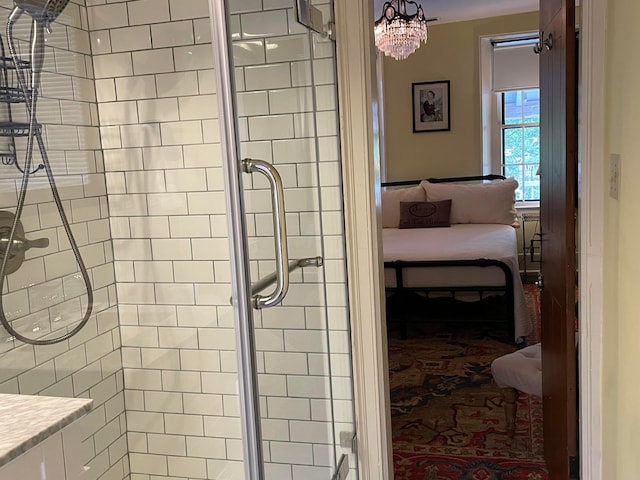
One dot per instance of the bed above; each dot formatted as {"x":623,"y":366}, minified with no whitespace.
{"x":472,"y":258}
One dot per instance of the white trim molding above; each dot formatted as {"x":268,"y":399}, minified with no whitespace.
{"x":361,"y":174}
{"x":592,"y":201}
{"x":379,"y":104}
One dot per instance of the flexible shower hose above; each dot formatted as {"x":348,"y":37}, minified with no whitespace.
{"x":35,"y":133}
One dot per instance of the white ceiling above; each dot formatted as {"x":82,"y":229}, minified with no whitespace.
{"x":459,"y":10}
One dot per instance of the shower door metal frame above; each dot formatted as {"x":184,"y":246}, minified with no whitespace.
{"x":241,"y":288}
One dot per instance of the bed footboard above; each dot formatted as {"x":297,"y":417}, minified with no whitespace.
{"x":399,"y":266}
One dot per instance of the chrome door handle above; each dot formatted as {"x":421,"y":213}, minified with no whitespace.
{"x":280,"y":232}
{"x":293,"y":265}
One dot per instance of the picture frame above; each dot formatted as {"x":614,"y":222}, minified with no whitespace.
{"x":431,"y":106}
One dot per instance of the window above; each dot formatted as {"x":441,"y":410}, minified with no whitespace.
{"x":509,"y":76}
{"x":520,"y":140}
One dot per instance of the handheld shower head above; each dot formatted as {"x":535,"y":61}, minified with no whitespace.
{"x":45,"y":11}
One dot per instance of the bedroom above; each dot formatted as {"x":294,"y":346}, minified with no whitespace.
{"x":451,"y":54}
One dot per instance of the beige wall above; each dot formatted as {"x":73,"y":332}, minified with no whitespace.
{"x":450,"y":54}
{"x":621,"y":388}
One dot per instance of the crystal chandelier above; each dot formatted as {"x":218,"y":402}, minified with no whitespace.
{"x":398,"y":34}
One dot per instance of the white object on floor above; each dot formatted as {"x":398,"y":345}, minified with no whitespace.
{"x":521,"y":370}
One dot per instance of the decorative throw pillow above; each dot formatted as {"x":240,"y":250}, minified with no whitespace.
{"x":391,"y":199}
{"x":425,"y":214}
{"x":492,"y":202}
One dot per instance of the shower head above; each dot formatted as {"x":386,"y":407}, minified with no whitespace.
{"x":45,"y":11}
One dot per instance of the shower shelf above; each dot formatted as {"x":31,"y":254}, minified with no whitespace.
{"x":10,"y":91}
{"x":12,"y":74}
{"x":16,"y":129}
{"x":12,"y":95}
{"x":8,"y":61}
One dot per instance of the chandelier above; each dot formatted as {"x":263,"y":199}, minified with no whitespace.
{"x":398,"y":34}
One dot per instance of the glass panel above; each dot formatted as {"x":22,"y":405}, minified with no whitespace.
{"x":512,"y":145}
{"x":531,"y":106}
{"x":521,"y":140}
{"x":531,"y":182}
{"x":129,"y":116}
{"x":521,"y":106}
{"x":515,"y":171}
{"x":512,"y":107}
{"x":287,"y":108}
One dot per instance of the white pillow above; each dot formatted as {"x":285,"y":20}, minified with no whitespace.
{"x":492,"y":202}
{"x":391,"y":199}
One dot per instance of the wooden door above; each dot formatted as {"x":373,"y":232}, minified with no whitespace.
{"x":558,"y":139}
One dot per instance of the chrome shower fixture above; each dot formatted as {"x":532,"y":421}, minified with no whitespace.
{"x":42,"y":13}
{"x":45,"y":11}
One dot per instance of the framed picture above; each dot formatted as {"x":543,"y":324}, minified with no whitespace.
{"x":431,"y":106}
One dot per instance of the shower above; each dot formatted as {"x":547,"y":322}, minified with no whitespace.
{"x":43,"y":10}
{"x":27,"y":76}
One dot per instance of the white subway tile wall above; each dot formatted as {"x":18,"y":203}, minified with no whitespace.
{"x":167,"y":205}
{"x":137,"y":122}
{"x":46,"y":295}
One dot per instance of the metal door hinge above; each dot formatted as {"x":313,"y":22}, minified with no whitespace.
{"x":574,"y":467}
{"x":349,"y":440}
{"x":310,"y":17}
{"x":331,"y":30}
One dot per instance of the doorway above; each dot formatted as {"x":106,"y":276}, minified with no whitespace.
{"x":365,"y":248}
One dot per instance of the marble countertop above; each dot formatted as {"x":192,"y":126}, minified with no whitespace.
{"x":27,"y":420}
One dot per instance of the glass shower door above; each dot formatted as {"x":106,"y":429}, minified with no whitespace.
{"x":277,"y":90}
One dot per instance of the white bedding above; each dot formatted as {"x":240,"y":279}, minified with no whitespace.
{"x":458,"y":242}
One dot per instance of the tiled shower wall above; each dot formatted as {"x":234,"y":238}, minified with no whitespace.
{"x":154,"y":101}
{"x":155,"y":88}
{"x":159,"y":127}
{"x":47,"y":294}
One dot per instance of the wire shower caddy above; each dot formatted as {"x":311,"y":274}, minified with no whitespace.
{"x":11,"y":95}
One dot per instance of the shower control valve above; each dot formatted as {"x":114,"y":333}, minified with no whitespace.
{"x":21,"y":244}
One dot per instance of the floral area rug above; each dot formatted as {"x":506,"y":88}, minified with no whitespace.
{"x":447,"y":415}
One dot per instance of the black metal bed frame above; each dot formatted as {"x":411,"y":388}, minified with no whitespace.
{"x":399,"y":265}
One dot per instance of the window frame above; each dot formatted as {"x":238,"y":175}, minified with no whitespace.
{"x":490,"y":111}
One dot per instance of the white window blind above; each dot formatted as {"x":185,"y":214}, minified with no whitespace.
{"x":515,"y":67}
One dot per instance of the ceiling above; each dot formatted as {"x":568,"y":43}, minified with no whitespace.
{"x":459,"y":10}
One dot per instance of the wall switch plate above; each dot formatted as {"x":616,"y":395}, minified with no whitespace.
{"x":614,"y":176}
